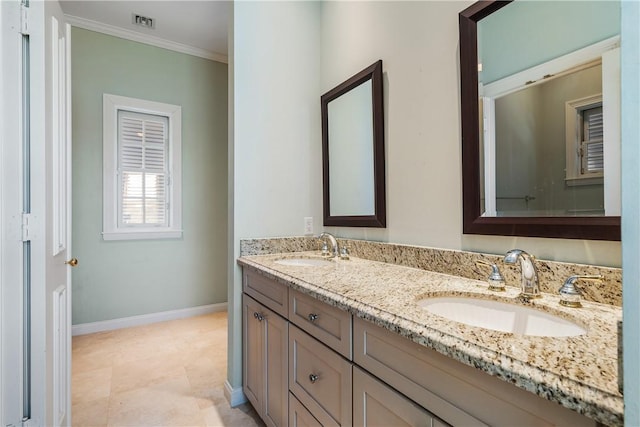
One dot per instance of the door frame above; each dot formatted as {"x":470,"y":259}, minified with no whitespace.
{"x":11,"y":197}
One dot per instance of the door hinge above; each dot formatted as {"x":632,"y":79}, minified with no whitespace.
{"x":27,"y":220}
{"x":24,"y":20}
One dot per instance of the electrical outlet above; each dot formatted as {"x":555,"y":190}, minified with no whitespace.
{"x":308,"y":225}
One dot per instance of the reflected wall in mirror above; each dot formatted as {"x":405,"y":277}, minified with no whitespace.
{"x":353,"y":151}
{"x":541,"y":118}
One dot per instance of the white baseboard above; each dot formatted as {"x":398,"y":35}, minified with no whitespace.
{"x":235,"y":396}
{"x":145,"y":319}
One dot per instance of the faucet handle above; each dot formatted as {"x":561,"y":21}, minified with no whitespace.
{"x":495,"y":279}
{"x":571,"y":294}
{"x":325,"y":249}
{"x":344,"y":252}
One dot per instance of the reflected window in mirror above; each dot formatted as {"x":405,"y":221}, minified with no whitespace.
{"x":353,"y":151}
{"x":541,"y":118}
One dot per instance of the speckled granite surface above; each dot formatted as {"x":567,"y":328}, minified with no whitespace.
{"x":458,"y":263}
{"x":579,"y":372}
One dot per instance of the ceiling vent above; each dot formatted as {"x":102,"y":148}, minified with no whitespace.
{"x":144,"y":21}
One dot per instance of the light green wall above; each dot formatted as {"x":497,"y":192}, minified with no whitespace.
{"x":524,"y":34}
{"x":126,"y":278}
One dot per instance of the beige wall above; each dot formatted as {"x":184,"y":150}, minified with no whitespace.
{"x":418,"y":43}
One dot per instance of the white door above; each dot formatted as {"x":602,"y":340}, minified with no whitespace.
{"x":36,"y":216}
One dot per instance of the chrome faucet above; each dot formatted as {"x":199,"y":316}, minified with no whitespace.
{"x":332,"y":240}
{"x":529,"y":286}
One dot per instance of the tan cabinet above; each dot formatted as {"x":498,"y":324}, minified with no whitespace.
{"x":267,"y":291}
{"x":456,"y":393}
{"x":265,"y":362}
{"x":328,"y":324}
{"x":377,"y":404}
{"x":320,"y":378}
{"x":299,"y":416}
{"x":301,"y":373}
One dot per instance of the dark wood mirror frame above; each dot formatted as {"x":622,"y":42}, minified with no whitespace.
{"x":379,"y":218}
{"x":594,"y":228}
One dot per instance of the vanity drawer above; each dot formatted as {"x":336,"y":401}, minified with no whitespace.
{"x":320,"y":378}
{"x":328,"y":324}
{"x":377,"y":404}
{"x":299,"y":416}
{"x":272,"y":294}
{"x":454,"y":392}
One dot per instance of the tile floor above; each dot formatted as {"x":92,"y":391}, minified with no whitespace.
{"x":164,"y":374}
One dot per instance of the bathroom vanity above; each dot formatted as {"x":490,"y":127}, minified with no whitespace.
{"x":345,"y":343}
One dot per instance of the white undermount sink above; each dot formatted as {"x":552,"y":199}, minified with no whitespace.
{"x":304,"y":262}
{"x":501,"y":316}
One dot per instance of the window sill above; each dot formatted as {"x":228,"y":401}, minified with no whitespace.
{"x":574,"y":182}
{"x":142,"y":235}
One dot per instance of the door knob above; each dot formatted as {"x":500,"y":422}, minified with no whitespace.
{"x":72,"y":262}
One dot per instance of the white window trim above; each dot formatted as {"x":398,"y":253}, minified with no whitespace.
{"x":110,"y":106}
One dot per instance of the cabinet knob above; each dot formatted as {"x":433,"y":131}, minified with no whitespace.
{"x":312,"y":317}
{"x":313,"y":378}
{"x":258,"y":316}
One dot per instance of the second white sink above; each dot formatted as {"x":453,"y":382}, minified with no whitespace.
{"x":501,"y":316}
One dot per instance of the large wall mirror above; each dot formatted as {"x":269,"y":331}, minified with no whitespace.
{"x":540,"y":105}
{"x":353,"y":151}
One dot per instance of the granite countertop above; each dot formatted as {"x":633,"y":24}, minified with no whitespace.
{"x":580,"y":373}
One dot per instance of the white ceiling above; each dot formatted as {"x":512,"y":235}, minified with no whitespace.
{"x":197,"y":24}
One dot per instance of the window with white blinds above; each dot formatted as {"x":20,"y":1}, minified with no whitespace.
{"x":142,"y":158}
{"x":591,"y":144}
{"x":143,"y":169}
{"x":584,"y":122}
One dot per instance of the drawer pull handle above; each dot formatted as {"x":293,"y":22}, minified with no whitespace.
{"x":258,"y":316}
{"x":313,"y":317}
{"x":313,"y":378}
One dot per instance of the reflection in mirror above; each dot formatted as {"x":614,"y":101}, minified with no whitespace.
{"x":532,"y":177}
{"x":540,"y":118}
{"x":350,"y":137}
{"x":353,"y":151}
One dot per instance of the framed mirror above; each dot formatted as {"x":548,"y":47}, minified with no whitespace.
{"x":534,"y":102}
{"x":353,"y":151}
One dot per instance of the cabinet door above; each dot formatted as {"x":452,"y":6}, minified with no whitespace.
{"x":276,"y":388}
{"x":299,"y":416}
{"x":252,"y":352}
{"x":376,"y":404}
{"x":265,"y":360}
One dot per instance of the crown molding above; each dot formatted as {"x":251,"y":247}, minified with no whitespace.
{"x":112,"y":30}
